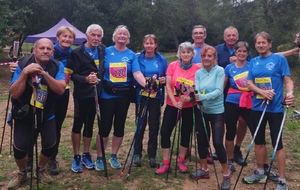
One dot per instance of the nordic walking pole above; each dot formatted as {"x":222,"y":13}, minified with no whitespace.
{"x":192,"y":95}
{"x":277,"y":142}
{"x":14,"y":55}
{"x":139,"y":123}
{"x":179,"y":91}
{"x":177,"y":148}
{"x":173,"y":142}
{"x":5,"y":120}
{"x":137,"y":133}
{"x":99,"y":123}
{"x":252,"y":141}
{"x":35,"y":86}
{"x":207,"y":138}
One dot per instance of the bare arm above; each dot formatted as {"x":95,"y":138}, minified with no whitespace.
{"x":268,"y":94}
{"x":139,"y":77}
{"x":170,"y":93}
{"x":225,"y":81}
{"x":289,"y":99}
{"x":293,"y":51}
{"x":57,"y":86}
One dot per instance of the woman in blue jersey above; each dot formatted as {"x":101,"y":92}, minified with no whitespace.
{"x":209,"y":82}
{"x":151,"y":63}
{"x":119,"y":71}
{"x":65,"y":37}
{"x":238,"y":100}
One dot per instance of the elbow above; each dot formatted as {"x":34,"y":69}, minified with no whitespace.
{"x":62,"y":88}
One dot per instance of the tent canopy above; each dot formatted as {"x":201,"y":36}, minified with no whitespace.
{"x":51,"y":33}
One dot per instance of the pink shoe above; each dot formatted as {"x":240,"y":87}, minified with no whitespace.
{"x":164,"y":168}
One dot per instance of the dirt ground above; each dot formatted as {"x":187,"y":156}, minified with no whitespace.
{"x":293,"y":177}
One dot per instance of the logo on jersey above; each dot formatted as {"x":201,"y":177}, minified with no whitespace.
{"x":125,"y":59}
{"x":270,"y":66}
{"x":155,"y":64}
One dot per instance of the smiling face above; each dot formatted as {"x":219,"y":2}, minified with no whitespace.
{"x":231,"y":36}
{"x":121,"y":36}
{"x":199,"y":36}
{"x":65,"y":39}
{"x":241,"y":53}
{"x":149,"y":45}
{"x":186,"y":55}
{"x":262,"y":46}
{"x":208,"y":56}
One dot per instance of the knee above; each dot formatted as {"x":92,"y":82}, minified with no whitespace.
{"x":48,"y":152}
{"x":19,"y":154}
{"x":119,"y":133}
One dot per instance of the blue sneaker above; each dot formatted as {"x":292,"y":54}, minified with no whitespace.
{"x":99,"y":164}
{"x":87,"y":161}
{"x":114,"y":162}
{"x":76,"y":164}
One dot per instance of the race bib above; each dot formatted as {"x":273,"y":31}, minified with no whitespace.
{"x":263,"y":83}
{"x":97,"y":63}
{"x":183,"y":86}
{"x":67,"y":72}
{"x":241,"y":81}
{"x":146,"y":92}
{"x":41,"y":97}
{"x":118,"y":72}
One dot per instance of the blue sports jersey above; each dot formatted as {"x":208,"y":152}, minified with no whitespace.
{"x":237,"y":78}
{"x":119,"y":67}
{"x":268,"y":73}
{"x":59,"y":76}
{"x":197,"y":58}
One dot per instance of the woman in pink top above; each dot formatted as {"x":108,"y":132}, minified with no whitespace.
{"x":180,"y":77}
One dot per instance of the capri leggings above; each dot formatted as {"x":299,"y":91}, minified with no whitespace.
{"x":232,"y":113}
{"x":113,"y":111}
{"x":274,"y":120}
{"x":214,"y":122}
{"x":84,"y":113}
{"x":24,"y":135}
{"x":170,"y":121}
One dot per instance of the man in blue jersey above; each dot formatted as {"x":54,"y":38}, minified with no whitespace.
{"x":35,"y":82}
{"x":268,"y":75}
{"x":199,"y":35}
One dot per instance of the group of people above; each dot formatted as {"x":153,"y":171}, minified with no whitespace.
{"x":207,"y":88}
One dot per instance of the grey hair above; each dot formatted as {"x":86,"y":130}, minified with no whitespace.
{"x":231,"y":28}
{"x":199,"y":26}
{"x":123,"y":27}
{"x":185,"y":45}
{"x":35,"y":43}
{"x":94,"y":27}
{"x":264,"y":35}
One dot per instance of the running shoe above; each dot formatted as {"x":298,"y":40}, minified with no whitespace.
{"x":200,"y":174}
{"x":255,"y":178}
{"x":87,"y":161}
{"x":76,"y":164}
{"x":114,"y":162}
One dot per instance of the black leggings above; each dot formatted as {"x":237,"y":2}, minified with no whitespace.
{"x":170,"y":121}
{"x":113,"y":110}
{"x":215,"y":122}
{"x":84,"y":113}
{"x":232,"y":113}
{"x":24,"y":137}
{"x":61,"y":107}
{"x":153,"y":111}
{"x":274,"y":120}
